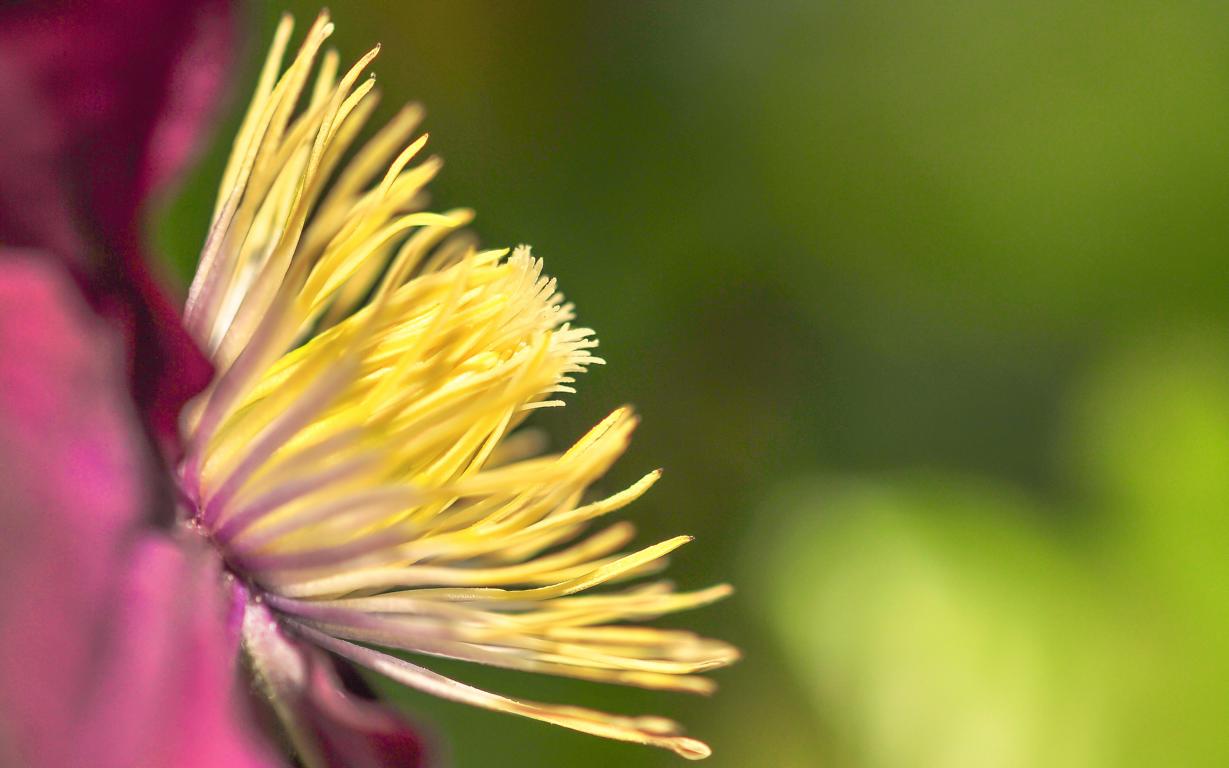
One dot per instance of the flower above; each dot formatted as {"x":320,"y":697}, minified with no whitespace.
{"x":350,"y":478}
{"x":355,"y":459}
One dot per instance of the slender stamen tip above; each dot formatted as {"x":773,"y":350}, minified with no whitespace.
{"x":692,"y":749}
{"x":702,"y":686}
{"x":461,"y":216}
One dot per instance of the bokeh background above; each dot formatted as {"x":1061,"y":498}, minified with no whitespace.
{"x":924,"y":305}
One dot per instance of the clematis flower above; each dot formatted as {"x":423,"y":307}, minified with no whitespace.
{"x":354,"y":482}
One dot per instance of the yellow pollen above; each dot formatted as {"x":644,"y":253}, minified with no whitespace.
{"x":360,"y":454}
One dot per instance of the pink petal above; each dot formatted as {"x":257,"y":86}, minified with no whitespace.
{"x":165,"y":693}
{"x":114,"y":640}
{"x":72,"y":472}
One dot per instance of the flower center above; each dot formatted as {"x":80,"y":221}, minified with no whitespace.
{"x":359,"y":457}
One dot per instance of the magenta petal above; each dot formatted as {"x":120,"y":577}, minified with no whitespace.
{"x":92,"y":609}
{"x":124,"y":85}
{"x":101,"y":100}
{"x":72,"y":474}
{"x":166,"y":677}
{"x":353,"y":730}
{"x":339,"y":724}
{"x":36,"y":210}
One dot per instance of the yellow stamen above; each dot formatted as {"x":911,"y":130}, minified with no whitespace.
{"x":359,"y":458}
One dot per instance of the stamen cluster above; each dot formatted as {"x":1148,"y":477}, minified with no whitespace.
{"x":358,"y":459}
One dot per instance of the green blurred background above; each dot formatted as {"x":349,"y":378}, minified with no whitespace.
{"x":924,"y":305}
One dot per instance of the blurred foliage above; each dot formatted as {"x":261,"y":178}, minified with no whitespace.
{"x":947,"y":622}
{"x":957,"y":265}
{"x":941,"y":629}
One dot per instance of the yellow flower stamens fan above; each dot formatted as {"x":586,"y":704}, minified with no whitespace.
{"x":354,"y":459}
